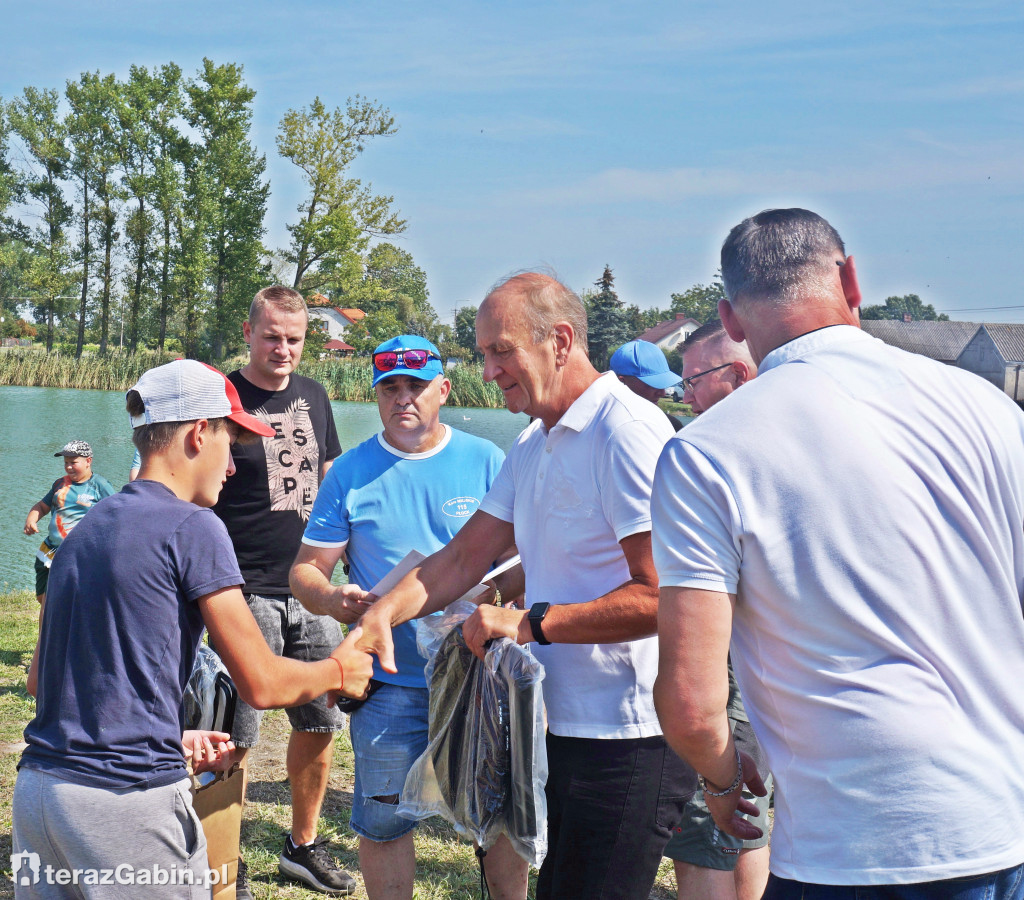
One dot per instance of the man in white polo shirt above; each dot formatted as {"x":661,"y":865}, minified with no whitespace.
{"x":852,"y":520}
{"x":574,"y":496}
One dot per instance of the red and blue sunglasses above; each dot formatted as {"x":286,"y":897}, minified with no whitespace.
{"x":388,"y":360}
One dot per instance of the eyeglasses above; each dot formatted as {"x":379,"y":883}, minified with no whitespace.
{"x":688,"y":382}
{"x":388,"y":360}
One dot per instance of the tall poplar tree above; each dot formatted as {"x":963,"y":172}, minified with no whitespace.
{"x":220,"y":109}
{"x":167,"y":147}
{"x":339,"y":215}
{"x":12,"y":233}
{"x":35,"y":117}
{"x":92,"y":162}
{"x":134,"y":143}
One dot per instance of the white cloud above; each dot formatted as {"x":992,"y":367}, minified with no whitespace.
{"x":885,"y":172}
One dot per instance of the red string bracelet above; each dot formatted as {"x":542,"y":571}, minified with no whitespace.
{"x":341,"y":670}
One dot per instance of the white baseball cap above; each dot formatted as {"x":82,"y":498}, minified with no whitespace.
{"x":186,"y":390}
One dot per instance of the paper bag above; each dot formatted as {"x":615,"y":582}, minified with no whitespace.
{"x":219,"y":807}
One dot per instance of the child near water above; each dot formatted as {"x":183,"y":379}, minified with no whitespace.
{"x":68,"y":499}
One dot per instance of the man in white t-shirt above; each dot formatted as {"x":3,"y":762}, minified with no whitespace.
{"x":852,"y":520}
{"x":574,"y":496}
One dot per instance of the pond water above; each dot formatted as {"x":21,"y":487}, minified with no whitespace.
{"x":36,"y":422}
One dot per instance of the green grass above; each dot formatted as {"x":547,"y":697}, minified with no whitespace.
{"x":678,"y":409}
{"x":19,"y":614}
{"x":446,"y":868}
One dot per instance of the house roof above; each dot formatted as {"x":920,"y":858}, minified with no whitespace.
{"x":338,"y":345}
{"x":353,"y":315}
{"x":1009,"y":340}
{"x":664,"y":329}
{"x":318,"y":299}
{"x":937,"y":340}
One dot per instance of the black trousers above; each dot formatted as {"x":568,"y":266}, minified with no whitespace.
{"x":611,"y":807}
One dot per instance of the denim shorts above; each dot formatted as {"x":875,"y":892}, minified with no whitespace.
{"x":389,"y":733}
{"x":293,"y":632}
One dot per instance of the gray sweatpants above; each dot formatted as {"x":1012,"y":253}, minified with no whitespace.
{"x":76,"y":841}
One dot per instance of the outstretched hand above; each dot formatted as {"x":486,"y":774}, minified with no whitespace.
{"x":376,"y":638}
{"x":728,"y":811}
{"x":357,"y":666}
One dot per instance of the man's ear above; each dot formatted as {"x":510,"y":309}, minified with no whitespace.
{"x":247,"y":332}
{"x":851,"y":287}
{"x":727,"y":314}
{"x":564,"y":340}
{"x":446,"y":389}
{"x":741,"y":371}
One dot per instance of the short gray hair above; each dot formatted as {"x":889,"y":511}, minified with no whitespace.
{"x":547,"y":302}
{"x":713,"y":334}
{"x":779,"y":255}
{"x":706,"y":332}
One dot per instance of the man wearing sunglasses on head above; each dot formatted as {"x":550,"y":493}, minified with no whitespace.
{"x":410,"y":487}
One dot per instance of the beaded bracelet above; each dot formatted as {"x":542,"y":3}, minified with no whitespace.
{"x":736,"y":782}
{"x":340,"y":669}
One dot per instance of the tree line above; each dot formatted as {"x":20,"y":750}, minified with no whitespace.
{"x":132,"y":215}
{"x":132,"y":211}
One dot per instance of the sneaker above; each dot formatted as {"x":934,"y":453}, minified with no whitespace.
{"x":242,"y":882}
{"x":313,"y":865}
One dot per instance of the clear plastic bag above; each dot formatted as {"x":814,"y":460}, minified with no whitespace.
{"x":485,"y":767}
{"x":210,"y":695}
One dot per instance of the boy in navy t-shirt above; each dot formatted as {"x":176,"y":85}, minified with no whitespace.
{"x":103,"y":783}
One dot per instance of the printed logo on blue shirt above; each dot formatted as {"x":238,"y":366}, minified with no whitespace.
{"x":460,"y":507}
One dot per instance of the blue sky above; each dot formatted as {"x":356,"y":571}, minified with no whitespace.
{"x":577,"y":134}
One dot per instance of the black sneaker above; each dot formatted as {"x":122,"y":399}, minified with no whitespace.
{"x":313,"y":865}
{"x":242,"y":882}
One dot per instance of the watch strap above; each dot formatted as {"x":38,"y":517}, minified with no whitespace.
{"x":535,"y":616}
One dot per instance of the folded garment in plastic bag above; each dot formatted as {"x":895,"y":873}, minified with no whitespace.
{"x":485,"y":766}
{"x":210,"y":695}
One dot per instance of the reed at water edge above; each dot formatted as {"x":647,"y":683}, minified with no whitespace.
{"x":344,"y":379}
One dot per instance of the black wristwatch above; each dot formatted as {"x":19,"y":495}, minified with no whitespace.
{"x":535,"y":616}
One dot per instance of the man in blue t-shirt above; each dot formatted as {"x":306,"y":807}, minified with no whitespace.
{"x":102,"y":784}
{"x":411,"y":487}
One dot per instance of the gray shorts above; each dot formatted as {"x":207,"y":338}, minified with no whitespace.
{"x":71,"y":840}
{"x":293,"y":632}
{"x":699,"y":841}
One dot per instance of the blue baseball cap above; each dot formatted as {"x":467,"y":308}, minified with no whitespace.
{"x":645,"y":361}
{"x":397,"y":345}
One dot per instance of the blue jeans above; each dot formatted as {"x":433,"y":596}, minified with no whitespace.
{"x":1005,"y":885}
{"x":290,"y":630}
{"x":389,"y":733}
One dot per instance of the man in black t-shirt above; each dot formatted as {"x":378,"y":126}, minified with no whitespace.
{"x":265,"y":508}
